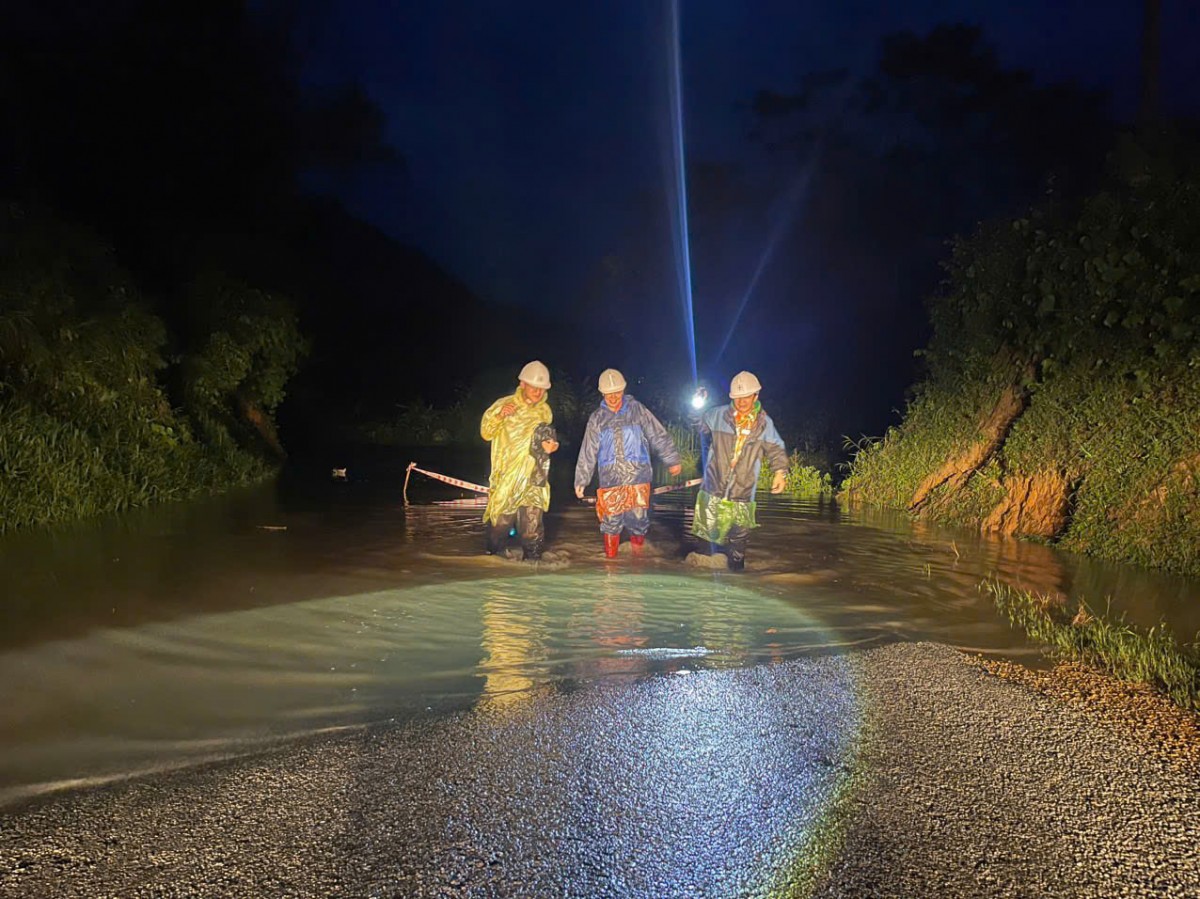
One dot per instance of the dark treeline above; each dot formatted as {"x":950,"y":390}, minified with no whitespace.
{"x":165,"y":280}
{"x":181,"y":135}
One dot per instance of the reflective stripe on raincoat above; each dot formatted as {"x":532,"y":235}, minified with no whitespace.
{"x":514,"y":469}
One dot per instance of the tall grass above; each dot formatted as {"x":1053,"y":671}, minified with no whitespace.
{"x":1149,"y":657}
{"x":687,"y":441}
{"x":420,"y":423}
{"x":802,"y":479}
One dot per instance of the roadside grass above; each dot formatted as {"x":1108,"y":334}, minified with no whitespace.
{"x":687,"y":441}
{"x":60,"y":468}
{"x":1132,"y":451}
{"x":939,"y":422}
{"x":802,"y":479}
{"x":1150,"y":657}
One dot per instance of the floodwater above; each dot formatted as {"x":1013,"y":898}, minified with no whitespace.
{"x":170,"y":636}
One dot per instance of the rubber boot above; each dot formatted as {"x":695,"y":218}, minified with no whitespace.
{"x":736,"y":554}
{"x":611,"y":543}
{"x":497,"y":539}
{"x":637,"y":542}
{"x":736,"y":548}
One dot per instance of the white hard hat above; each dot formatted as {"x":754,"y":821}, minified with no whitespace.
{"x":743,"y":384}
{"x":611,"y":381}
{"x":535,"y":375}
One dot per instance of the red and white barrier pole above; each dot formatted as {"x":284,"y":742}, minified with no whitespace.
{"x":453,"y":482}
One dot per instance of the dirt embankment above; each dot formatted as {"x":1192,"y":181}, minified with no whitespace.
{"x":954,"y":473}
{"x":1033,"y":505}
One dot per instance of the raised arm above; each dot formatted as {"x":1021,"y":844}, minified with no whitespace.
{"x":489,"y":427}
{"x":699,"y":420}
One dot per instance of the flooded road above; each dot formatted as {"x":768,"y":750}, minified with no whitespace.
{"x":170,"y":636}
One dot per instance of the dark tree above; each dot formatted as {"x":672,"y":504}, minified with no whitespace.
{"x":939,"y":137}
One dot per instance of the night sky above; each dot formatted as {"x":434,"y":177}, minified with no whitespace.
{"x":523,"y":123}
{"x":532,"y":131}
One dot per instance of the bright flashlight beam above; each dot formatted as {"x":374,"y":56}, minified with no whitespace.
{"x":783,"y":218}
{"x":679,"y":206}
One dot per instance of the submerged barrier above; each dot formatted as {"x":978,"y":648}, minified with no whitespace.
{"x":453,"y":482}
{"x":479,"y":488}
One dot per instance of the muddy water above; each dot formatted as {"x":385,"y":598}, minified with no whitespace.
{"x":174,"y":635}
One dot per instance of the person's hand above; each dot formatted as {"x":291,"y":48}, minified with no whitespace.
{"x":778,"y":482}
{"x":675,"y":470}
{"x":549,"y":446}
{"x":579,"y":493}
{"x":507,"y":409}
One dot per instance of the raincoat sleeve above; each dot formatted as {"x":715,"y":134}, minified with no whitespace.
{"x":490,"y":425}
{"x":699,"y":421}
{"x":660,"y":439}
{"x":586,"y":466}
{"x":773,"y":448}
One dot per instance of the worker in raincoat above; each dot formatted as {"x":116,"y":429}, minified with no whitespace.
{"x":739,"y":435}
{"x":519,"y":428}
{"x":619,"y":438}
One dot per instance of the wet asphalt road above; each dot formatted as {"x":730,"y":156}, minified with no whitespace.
{"x":902,"y":771}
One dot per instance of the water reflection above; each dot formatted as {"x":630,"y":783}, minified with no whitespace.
{"x":125,"y":699}
{"x":720,"y":626}
{"x":612,"y":617}
{"x":169,"y":635}
{"x":515,"y":630}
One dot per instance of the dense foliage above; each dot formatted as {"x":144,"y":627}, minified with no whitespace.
{"x":87,"y":421}
{"x":1095,"y":314}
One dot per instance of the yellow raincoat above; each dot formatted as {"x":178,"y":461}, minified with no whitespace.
{"x":512,"y":463}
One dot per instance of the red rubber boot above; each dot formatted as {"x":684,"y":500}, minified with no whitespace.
{"x":611,"y":543}
{"x":636,"y":543}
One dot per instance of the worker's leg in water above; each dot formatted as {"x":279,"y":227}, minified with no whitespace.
{"x":498,"y":532}
{"x":637,"y":523}
{"x":610,"y":532}
{"x":532,"y":531}
{"x":735,"y":544}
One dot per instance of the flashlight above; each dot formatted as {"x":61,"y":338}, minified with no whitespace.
{"x":699,"y":398}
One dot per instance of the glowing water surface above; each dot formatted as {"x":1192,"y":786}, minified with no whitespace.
{"x":188,"y":632}
{"x":171,"y":692}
